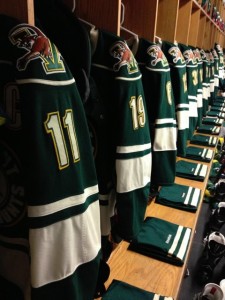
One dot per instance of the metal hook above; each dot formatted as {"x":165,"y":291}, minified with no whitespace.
{"x":84,"y":21}
{"x":74,"y":6}
{"x":122,"y":13}
{"x":158,"y":40}
{"x":122,"y":20}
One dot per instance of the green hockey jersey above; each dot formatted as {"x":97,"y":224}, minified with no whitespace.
{"x":161,"y":110}
{"x":200,"y":83}
{"x":215,"y":112}
{"x":217,"y":108}
{"x":205,"y":82}
{"x":219,"y":99}
{"x":179,"y":196}
{"x":192,"y":86}
{"x":219,"y":51}
{"x":204,"y":140}
{"x":119,"y":290}
{"x":211,"y":77}
{"x":49,"y":171}
{"x":200,"y":154}
{"x":191,"y":170}
{"x":124,"y":171}
{"x":210,"y":129}
{"x":216,"y":72}
{"x":162,"y":240}
{"x":212,"y":121}
{"x":209,"y":69}
{"x":179,"y":83}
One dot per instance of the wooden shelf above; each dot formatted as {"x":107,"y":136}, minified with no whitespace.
{"x":167,"y":19}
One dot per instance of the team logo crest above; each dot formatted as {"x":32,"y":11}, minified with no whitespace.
{"x":203,"y":54}
{"x":122,"y":52}
{"x":189,"y":56}
{"x":157,"y":56}
{"x":12,"y":205}
{"x":176,"y":53}
{"x":37,"y":46}
{"x":197,"y":55}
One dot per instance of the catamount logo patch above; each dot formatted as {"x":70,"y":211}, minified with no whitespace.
{"x":189,"y":56}
{"x":36,"y":46}
{"x":197,"y":55}
{"x":176,"y":53}
{"x":157,"y":56}
{"x":203,"y":54}
{"x":122,"y":52}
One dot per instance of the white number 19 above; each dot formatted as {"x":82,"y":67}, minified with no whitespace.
{"x":138,"y":112}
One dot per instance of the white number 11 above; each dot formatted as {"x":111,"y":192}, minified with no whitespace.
{"x":53,"y":125}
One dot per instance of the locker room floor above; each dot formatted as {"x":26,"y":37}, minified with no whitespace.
{"x":190,"y":285}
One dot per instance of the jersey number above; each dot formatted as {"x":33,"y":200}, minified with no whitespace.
{"x":184,"y":78}
{"x":195,"y":77}
{"x":53,"y":126}
{"x":138,"y":112}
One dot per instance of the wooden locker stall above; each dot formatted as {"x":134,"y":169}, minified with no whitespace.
{"x":100,"y":13}
{"x":183,"y":21}
{"x":207,"y":35}
{"x":167,"y":19}
{"x":201,"y":30}
{"x":194,"y":30}
{"x":143,"y":23}
{"x":20,"y":9}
